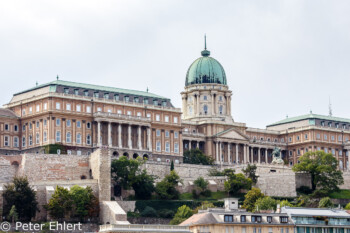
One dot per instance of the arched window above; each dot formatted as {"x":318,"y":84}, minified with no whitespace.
{"x":220,"y":109}
{"x":190,"y":110}
{"x":88,"y":139}
{"x":205,"y":109}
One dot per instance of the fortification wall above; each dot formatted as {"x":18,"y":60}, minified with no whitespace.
{"x":42,"y":167}
{"x":9,"y":166}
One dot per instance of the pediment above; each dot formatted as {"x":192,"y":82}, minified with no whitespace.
{"x":232,"y":134}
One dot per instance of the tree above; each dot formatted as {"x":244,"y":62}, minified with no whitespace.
{"x":183,"y":213}
{"x":60,"y":204}
{"x":201,"y":184}
{"x":13,"y":215}
{"x":128,"y":174}
{"x":166,"y":189}
{"x":204,"y":205}
{"x":172,"y":165}
{"x":77,"y":203}
{"x":149,"y":212}
{"x":251,"y":197}
{"x":143,"y":186}
{"x":347,"y":207}
{"x":250,"y":172}
{"x":22,"y":196}
{"x":265,"y":203}
{"x":196,"y":156}
{"x":325,"y":203}
{"x":323,"y":170}
{"x":236,"y":182}
{"x":284,"y":203}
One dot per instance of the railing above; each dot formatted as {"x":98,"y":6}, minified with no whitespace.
{"x":268,"y":142}
{"x":322,"y":222}
{"x":193,"y":134}
{"x":121,"y":116}
{"x":145,"y":228}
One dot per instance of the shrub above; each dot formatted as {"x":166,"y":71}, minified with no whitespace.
{"x":195,"y":194}
{"x":196,"y":156}
{"x":183,"y":213}
{"x":266,"y":203}
{"x":206,"y":193}
{"x":325,"y":203}
{"x":166,"y":189}
{"x":347,"y":207}
{"x":166,"y":213}
{"x":251,"y":197}
{"x":149,"y":212}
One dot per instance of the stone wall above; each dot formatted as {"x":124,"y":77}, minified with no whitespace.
{"x":277,"y":184}
{"x":41,"y":167}
{"x":346,"y":185}
{"x":302,"y":179}
{"x":127,"y":206}
{"x":9,"y":166}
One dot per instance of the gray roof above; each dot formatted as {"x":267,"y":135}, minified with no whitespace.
{"x":7,"y":113}
{"x":298,"y":211}
{"x":201,"y":218}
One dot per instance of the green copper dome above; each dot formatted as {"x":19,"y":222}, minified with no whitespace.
{"x":205,"y":70}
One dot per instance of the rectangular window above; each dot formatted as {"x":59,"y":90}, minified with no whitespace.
{"x":157,"y":117}
{"x":164,"y":103}
{"x":58,"y":106}
{"x":88,"y":125}
{"x":106,"y":96}
{"x":78,"y":108}
{"x":86,"y":93}
{"x":290,"y":139}
{"x":78,"y":124}
{"x":88,"y":139}
{"x":136,"y":99}
{"x":69,"y":123}
{"x":340,"y":153}
{"x":167,"y":133}
{"x":15,"y":141}
{"x":66,"y":90}
{"x":37,"y":138}
{"x":339,"y":138}
{"x":155,"y":102}
{"x":166,"y":118}
{"x":76,"y":91}
{"x":58,"y":136}
{"x":175,"y":120}
{"x":45,"y":106}
{"x":158,"y":146}
{"x":37,"y":124}
{"x":37,"y":108}
{"x":78,"y":138}
{"x":99,"y":109}
{"x":284,"y":219}
{"x":69,"y":137}
{"x":269,"y":219}
{"x":325,"y":137}
{"x":176,"y":134}
{"x":6,"y":141}
{"x":167,"y":147}
{"x":138,"y":114}
{"x":148,"y":115}
{"x":30,"y":125}
{"x":96,"y":94}
{"x":30,"y":109}
{"x":145,"y":101}
{"x":23,"y":112}
{"x":68,"y":107}
{"x":318,"y":136}
{"x":7,"y":127}
{"x":243,"y":218}
{"x":306,"y":136}
{"x":116,"y":97}
{"x":119,"y":111}
{"x":158,"y":132}
{"x":176,"y":147}
{"x":30,"y":140}
{"x":228,"y":218}
{"x":45,"y":122}
{"x":45,"y":136}
{"x":332,"y":137}
{"x":270,"y":230}
{"x":88,"y":109}
{"x":126,"y":98}
{"x":23,"y":141}
{"x":109,"y":110}
{"x":128,"y":113}
{"x":58,"y":122}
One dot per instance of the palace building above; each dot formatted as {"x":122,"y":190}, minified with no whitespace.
{"x":77,"y":118}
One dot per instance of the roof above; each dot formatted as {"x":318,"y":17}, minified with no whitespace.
{"x":298,"y":211}
{"x":93,"y":87}
{"x":7,"y":113}
{"x":201,"y":218}
{"x":310,"y":116}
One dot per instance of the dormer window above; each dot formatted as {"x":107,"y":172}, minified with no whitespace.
{"x":155,"y":102}
{"x":96,"y":94}
{"x":76,"y":91}
{"x":256,"y":218}
{"x":329,"y":124}
{"x":145,"y":101}
{"x":284,"y":219}
{"x":322,"y":123}
{"x":66,"y":90}
{"x":106,"y":96}
{"x":337,"y":125}
{"x":228,"y":218}
{"x":86,"y":93}
{"x":243,"y":218}
{"x":136,"y":99}
{"x":269,"y":219}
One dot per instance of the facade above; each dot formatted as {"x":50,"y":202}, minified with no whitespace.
{"x":82,"y":117}
{"x":314,"y":220}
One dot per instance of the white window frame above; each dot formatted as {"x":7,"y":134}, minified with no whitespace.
{"x":99,"y":109}
{"x":176,"y":147}
{"x":45,"y":136}
{"x":30,"y":109}
{"x":167,"y":133}
{"x":176,"y":120}
{"x":58,"y":122}
{"x":68,"y":137}
{"x":68,"y":107}
{"x":157,"y":117}
{"x":69,"y":123}
{"x":37,"y":108}
{"x":58,"y":105}
{"x":6,"y":140}
{"x":78,"y":138}
{"x":167,"y":146}
{"x":158,"y":146}
{"x":45,"y":106}
{"x":15,"y":141}
{"x":37,"y":138}
{"x":166,"y":118}
{"x":176,"y":134}
{"x":78,"y":108}
{"x":158,"y":133}
{"x":58,"y":136}
{"x":78,"y":124}
{"x":88,"y":109}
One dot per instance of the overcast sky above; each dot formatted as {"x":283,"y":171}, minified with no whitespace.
{"x":280,"y":57}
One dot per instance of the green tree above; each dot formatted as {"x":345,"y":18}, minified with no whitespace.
{"x":196,"y":156}
{"x":204,"y":205}
{"x":251,"y":197}
{"x":22,"y":196}
{"x":347,"y":207}
{"x":250,"y":172}
{"x":236,"y":182}
{"x":323,"y":170}
{"x":172,"y":165}
{"x":183,"y":213}
{"x":60,"y":204}
{"x":13,"y":215}
{"x":128,"y":174}
{"x":166,"y":189}
{"x":265,"y":203}
{"x":325,"y":203}
{"x":149,"y":212}
{"x":143,"y":186}
{"x":284,"y":203}
{"x":201,"y":184}
{"x":78,"y":203}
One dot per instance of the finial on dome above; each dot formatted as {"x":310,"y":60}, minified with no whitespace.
{"x":205,"y":52}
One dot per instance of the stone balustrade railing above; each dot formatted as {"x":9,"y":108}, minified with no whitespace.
{"x":121,"y":116}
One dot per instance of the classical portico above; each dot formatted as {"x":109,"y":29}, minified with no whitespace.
{"x":123,"y":134}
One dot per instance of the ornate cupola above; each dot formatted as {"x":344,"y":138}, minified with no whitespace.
{"x":206,"y":94}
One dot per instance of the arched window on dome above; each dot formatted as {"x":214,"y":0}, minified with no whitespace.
{"x":190,"y":110}
{"x":205,"y":97}
{"x":205,"y":109}
{"x":220,"y":109}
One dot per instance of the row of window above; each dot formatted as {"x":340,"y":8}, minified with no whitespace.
{"x":326,"y":150}
{"x":117,"y":97}
{"x":306,"y":137}
{"x":167,"y":147}
{"x":58,"y":123}
{"x":220,"y":98}
{"x":205,"y":110}
{"x":336,"y":125}
{"x":7,"y":127}
{"x":255,"y":218}
{"x":167,"y":133}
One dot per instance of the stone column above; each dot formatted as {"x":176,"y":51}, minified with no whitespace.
{"x":229,"y":153}
{"x":251,"y":155}
{"x":184,"y":104}
{"x":244,"y":153}
{"x":220,"y":151}
{"x":217,"y":151}
{"x":99,"y":142}
{"x":189,"y":144}
{"x":266,"y":161}
{"x":236,"y":153}
{"x":129,"y":137}
{"x":212,"y":104}
{"x":198,"y":96}
{"x":139,"y":144}
{"x":149,"y":143}
{"x":259,"y":159}
{"x":197,"y":145}
{"x":120,"y":136}
{"x":109,"y":134}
